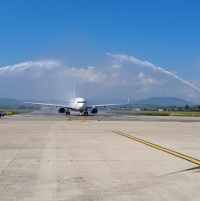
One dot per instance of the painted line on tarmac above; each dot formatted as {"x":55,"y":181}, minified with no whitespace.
{"x":188,"y":158}
{"x":81,"y":119}
{"x":84,"y":120}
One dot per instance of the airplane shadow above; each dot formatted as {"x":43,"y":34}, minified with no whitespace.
{"x":186,"y":170}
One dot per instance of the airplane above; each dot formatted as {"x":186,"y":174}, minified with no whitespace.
{"x":76,"y":104}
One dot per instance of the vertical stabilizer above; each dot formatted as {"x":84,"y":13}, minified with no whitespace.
{"x":127,"y":101}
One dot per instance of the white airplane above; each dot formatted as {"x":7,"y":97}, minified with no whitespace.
{"x":77,"y":104}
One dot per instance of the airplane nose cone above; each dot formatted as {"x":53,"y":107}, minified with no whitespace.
{"x":84,"y":106}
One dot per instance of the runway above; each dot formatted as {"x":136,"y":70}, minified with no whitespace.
{"x":101,"y":116}
{"x":57,"y":157}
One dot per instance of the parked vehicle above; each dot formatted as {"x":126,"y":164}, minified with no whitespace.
{"x":2,"y":114}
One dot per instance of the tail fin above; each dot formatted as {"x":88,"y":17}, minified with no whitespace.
{"x":127,"y":101}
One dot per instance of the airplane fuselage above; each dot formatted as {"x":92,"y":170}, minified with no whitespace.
{"x":78,"y":104}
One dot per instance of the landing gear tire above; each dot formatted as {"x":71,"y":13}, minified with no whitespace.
{"x":85,"y":113}
{"x":67,"y":113}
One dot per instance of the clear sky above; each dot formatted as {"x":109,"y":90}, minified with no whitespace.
{"x":74,"y":35}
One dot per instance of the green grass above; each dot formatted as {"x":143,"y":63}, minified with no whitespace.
{"x":16,"y":111}
{"x":11,"y":112}
{"x":185,"y":114}
{"x":156,"y":113}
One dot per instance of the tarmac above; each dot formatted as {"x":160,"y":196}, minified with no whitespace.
{"x":51,"y":157}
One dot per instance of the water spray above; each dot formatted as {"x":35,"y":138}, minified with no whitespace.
{"x":150,"y":65}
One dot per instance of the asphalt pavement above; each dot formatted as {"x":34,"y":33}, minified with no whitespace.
{"x":57,"y":157}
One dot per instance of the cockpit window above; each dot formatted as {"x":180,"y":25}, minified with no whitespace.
{"x":80,"y":101}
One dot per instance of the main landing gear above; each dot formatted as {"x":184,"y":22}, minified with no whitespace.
{"x":67,"y":112}
{"x":85,"y":113}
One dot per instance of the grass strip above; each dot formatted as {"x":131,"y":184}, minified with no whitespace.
{"x":157,"y":113}
{"x":11,"y":112}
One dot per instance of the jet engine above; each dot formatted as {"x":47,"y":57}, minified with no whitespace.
{"x":93,"y":110}
{"x":61,"y":110}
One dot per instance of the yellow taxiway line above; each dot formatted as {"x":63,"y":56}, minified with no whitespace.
{"x":188,"y":158}
{"x":81,"y":119}
{"x":84,"y":120}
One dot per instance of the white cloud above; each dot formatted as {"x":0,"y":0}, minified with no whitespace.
{"x":149,"y":81}
{"x":88,"y":75}
{"x":124,"y":76}
{"x":116,"y":65}
{"x":141,"y":75}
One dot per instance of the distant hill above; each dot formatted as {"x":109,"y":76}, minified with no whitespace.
{"x":164,"y":101}
{"x":9,"y":102}
{"x":16,"y":103}
{"x":154,"y":101}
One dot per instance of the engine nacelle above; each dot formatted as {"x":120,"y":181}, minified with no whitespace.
{"x":61,"y":110}
{"x":93,"y":110}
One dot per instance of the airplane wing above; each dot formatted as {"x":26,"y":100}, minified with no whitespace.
{"x":49,"y":104}
{"x":105,"y":105}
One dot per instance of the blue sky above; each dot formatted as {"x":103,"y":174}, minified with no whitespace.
{"x":78,"y":34}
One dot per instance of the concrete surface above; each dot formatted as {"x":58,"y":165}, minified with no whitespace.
{"x":49,"y":157}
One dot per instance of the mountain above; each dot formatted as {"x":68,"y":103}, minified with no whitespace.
{"x":155,"y":101}
{"x":163,"y":101}
{"x":8,"y":102}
